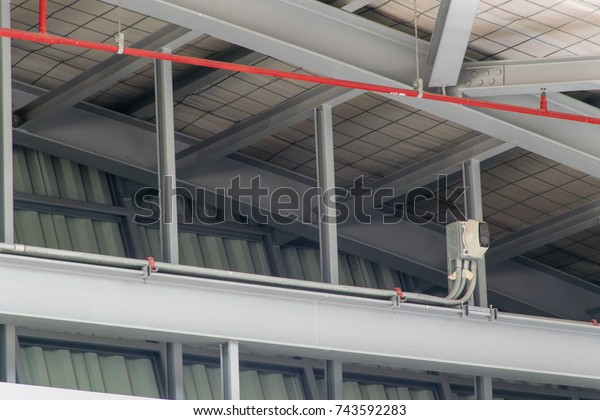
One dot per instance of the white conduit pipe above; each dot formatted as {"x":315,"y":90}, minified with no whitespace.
{"x":209,"y":273}
{"x":183,"y":270}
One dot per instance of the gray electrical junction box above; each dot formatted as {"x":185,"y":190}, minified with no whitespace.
{"x":466,"y":240}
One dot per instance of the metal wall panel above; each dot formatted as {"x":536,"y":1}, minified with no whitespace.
{"x":197,"y":385}
{"x":204,"y":383}
{"x":45,"y":175}
{"x":303,"y":264}
{"x":88,"y":371}
{"x":151,"y":242}
{"x":211,"y":251}
{"x":42,"y":174}
{"x":69,"y":233}
{"x":354,"y":390}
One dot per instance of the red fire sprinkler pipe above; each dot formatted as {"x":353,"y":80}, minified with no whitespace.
{"x":43,"y":14}
{"x":44,"y":38}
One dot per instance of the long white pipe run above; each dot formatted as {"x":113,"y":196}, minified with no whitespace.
{"x":233,"y":276}
{"x":190,"y":271}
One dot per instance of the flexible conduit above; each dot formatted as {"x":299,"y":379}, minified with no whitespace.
{"x":43,"y":38}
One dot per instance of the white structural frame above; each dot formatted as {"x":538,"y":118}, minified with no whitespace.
{"x":308,"y":324}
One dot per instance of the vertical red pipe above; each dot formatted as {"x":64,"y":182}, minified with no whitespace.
{"x":42,"y":25}
{"x":544,"y":102}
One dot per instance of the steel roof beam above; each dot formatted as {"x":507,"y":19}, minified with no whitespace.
{"x":260,"y":126}
{"x":306,"y":41}
{"x":102,"y":75}
{"x":450,"y":40}
{"x":352,"y":5}
{"x":196,"y":79}
{"x":513,"y":77}
{"x":444,"y":163}
{"x":540,"y":234}
{"x":294,"y":33}
{"x":190,"y":81}
{"x":543,"y":287}
{"x":427,"y":172}
{"x":349,"y":329}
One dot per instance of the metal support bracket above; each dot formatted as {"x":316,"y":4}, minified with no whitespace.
{"x":490,"y":313}
{"x":481,"y":76}
{"x":120,"y":41}
{"x":398,"y":298}
{"x":149,"y":268}
{"x":418,"y":86}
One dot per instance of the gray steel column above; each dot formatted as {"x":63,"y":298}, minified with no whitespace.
{"x":6,"y":150}
{"x":474,"y":208}
{"x":166,"y":160}
{"x":327,"y":227}
{"x":326,"y":182}
{"x":8,"y":337}
{"x":8,"y":354}
{"x":168,"y":204}
{"x":175,"y":389}
{"x":333,"y":376}
{"x":311,"y":385}
{"x":230,"y":370}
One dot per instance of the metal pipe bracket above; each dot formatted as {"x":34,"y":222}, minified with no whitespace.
{"x":149,"y":268}
{"x":490,"y":313}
